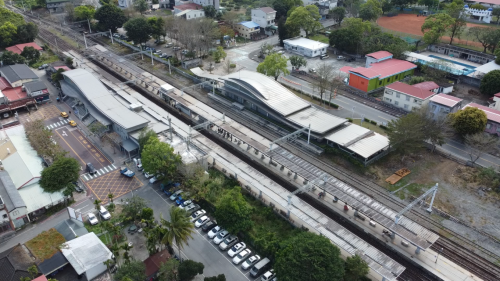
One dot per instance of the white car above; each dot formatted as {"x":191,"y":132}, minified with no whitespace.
{"x":153,"y":179}
{"x":201,"y":221}
{"x":268,"y":275}
{"x":104,"y":213}
{"x":221,"y":236}
{"x":196,"y":215}
{"x":176,"y":194}
{"x":236,"y":249}
{"x":250,"y":262}
{"x":214,"y":231}
{"x":242,"y":256}
{"x":148,"y":175}
{"x":93,"y":219}
{"x":185,"y":204}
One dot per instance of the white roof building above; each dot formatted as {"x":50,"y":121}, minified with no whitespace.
{"x":306,"y":47}
{"x":87,"y":255}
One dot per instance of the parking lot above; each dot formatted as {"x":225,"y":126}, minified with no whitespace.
{"x":112,"y":182}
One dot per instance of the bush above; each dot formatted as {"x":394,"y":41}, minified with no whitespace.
{"x":367,"y":120}
{"x":232,"y":65}
{"x":382,"y":126}
{"x":349,"y":119}
{"x":373,"y":122}
{"x":477,"y":6}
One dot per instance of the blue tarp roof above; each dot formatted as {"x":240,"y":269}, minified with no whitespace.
{"x":249,"y":24}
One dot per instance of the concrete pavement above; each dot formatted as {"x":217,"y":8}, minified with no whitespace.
{"x":459,"y":150}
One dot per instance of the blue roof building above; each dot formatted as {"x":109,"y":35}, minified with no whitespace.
{"x":247,"y":28}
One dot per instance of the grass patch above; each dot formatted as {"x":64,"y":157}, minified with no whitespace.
{"x":46,"y":57}
{"x":370,"y":126}
{"x":167,"y":12}
{"x":45,"y":244}
{"x":64,"y":38}
{"x":320,"y":37}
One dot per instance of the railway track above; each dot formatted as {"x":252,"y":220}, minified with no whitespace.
{"x":477,"y":265}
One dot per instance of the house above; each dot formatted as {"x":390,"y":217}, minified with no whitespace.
{"x":191,"y":14}
{"x":305,"y":47}
{"x":444,"y":87}
{"x":204,"y":3}
{"x":56,"y":5}
{"x":441,"y":105}
{"x":153,"y":263}
{"x":247,"y":29}
{"x":406,"y":96}
{"x":37,"y":90}
{"x":380,"y":70}
{"x":12,"y":206}
{"x":87,"y":255}
{"x":428,"y":86}
{"x":18,"y":49}
{"x":188,"y":6}
{"x":17,"y":74}
{"x":265,"y":17}
{"x":478,"y":14}
{"x":493,"y":115}
{"x":14,"y":263}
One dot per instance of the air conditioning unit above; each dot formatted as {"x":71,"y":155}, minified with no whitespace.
{"x":135,"y":107}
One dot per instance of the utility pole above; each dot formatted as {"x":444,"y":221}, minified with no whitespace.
{"x":111,"y":36}
{"x":55,"y":39}
{"x":90,"y":29}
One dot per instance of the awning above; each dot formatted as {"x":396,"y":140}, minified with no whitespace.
{"x":129,"y":145}
{"x":273,"y":27}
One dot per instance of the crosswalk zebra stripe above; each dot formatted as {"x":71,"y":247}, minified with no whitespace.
{"x":48,"y":127}
{"x":85,"y":178}
{"x":65,"y":121}
{"x":105,"y":169}
{"x":98,"y":172}
{"x":102,"y":171}
{"x":51,"y":126}
{"x":90,"y":176}
{"x":113,"y":166}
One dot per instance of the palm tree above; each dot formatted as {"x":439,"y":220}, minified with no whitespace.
{"x":111,"y":196}
{"x":108,"y":264}
{"x":126,"y":247}
{"x":178,"y":229}
{"x":115,"y":250}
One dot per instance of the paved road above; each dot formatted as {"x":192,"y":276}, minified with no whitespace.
{"x":459,"y":150}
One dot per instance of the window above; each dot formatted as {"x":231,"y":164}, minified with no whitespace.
{"x":407,"y":98}
{"x":434,"y":107}
{"x":388,"y":79}
{"x":388,"y":99}
{"x":4,"y":216}
{"x":415,"y":100}
{"x":498,"y":129}
{"x":380,"y":82}
{"x":388,"y":92}
{"x":397,"y":95}
{"x":396,"y":103}
{"x":406,"y":106}
{"x":488,"y":126}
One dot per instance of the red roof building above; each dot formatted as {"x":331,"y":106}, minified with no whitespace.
{"x":427,"y":86}
{"x":188,"y":6}
{"x":4,"y":84}
{"x":446,"y":100}
{"x":406,"y":96}
{"x":492,"y":114}
{"x":410,"y":90}
{"x":380,"y":55}
{"x":154,"y":262}
{"x":20,"y":47}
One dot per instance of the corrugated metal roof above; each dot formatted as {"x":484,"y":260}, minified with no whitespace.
{"x":10,"y":194}
{"x":17,"y":72}
{"x":85,"y":252}
{"x":19,"y":48}
{"x":427,"y":85}
{"x":410,"y":90}
{"x":445,"y":99}
{"x":379,"y":55}
{"x":320,"y":121}
{"x":348,"y":134}
{"x":306,"y":43}
{"x":249,"y":24}
{"x":385,"y":68}
{"x":36,"y":198}
{"x":34,"y":86}
{"x":370,"y":145}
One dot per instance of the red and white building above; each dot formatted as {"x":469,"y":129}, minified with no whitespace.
{"x":406,"y":96}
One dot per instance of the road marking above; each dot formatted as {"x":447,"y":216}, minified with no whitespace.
{"x":467,"y":153}
{"x":51,"y":126}
{"x":48,"y":127}
{"x":102,"y":171}
{"x":105,"y":169}
{"x":85,"y":177}
{"x":97,"y":172}
{"x":385,"y":118}
{"x":113,"y":166}
{"x":70,"y":147}
{"x":66,"y":121}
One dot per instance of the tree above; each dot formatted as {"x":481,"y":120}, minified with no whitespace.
{"x":33,"y":272}
{"x":157,"y":27}
{"x":27,"y":33}
{"x":306,"y":18}
{"x":488,"y":37}
{"x":403,"y":3}
{"x":407,"y":134}
{"x":220,"y":277}
{"x":69,"y":8}
{"x":108,"y":264}
{"x":60,"y":174}
{"x":179,"y":229}
{"x":283,"y":6}
{"x":325,"y":75}
{"x":429,"y":3}
{"x":226,"y":31}
{"x":160,"y":158}
{"x":469,"y":121}
{"x":30,"y":54}
{"x":85,"y":12}
{"x":435,"y":26}
{"x":349,"y":37}
{"x":231,"y":18}
{"x":370,"y":10}
{"x":228,"y":65}
{"x":210,"y":11}
{"x":490,"y":84}
{"x":457,"y":11}
{"x":126,"y":256}
{"x":154,"y":236}
{"x":69,"y":61}
{"x":338,"y":14}
{"x":233,"y":212}
{"x":311,"y":253}
{"x":355,"y":268}
{"x":169,"y":270}
{"x":41,"y":140}
{"x":219,"y":54}
{"x":134,"y":207}
{"x":274,"y":65}
{"x":188,"y":269}
{"x":57,"y":76}
{"x":144,"y":137}
{"x":7,"y":15}
{"x":138,"y":30}
{"x":135,"y":270}
{"x":352,"y":6}
{"x":8,"y":33}
{"x":477,"y":144}
{"x":496,"y":13}
{"x":141,"y":6}
{"x":110,"y":17}
{"x":298,"y":61}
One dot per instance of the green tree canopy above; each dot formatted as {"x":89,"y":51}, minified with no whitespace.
{"x":159,"y":158}
{"x":219,"y":54}
{"x":349,"y":37}
{"x":298,"y":61}
{"x":110,"y":17}
{"x":141,"y":6}
{"x":429,"y":3}
{"x":306,"y":18}
{"x":233,"y":212}
{"x":210,"y":11}
{"x":338,"y":14}
{"x":57,"y":76}
{"x":355,"y":268}
{"x":8,"y":32}
{"x":144,"y":137}
{"x":456,"y":10}
{"x":487,"y":36}
{"x":169,"y":270}
{"x":283,"y":6}
{"x":60,"y":174}
{"x":312,"y":254}
{"x":157,"y":27}
{"x":134,"y":207}
{"x":134,"y":270}
{"x":496,"y":13}
{"x":10,"y":58}
{"x":220,"y":277}
{"x":179,"y":229}
{"x":274,"y":65}
{"x":138,"y":30}
{"x":435,"y":26}
{"x":286,"y":31}
{"x":84,"y":12}
{"x":469,"y":121}
{"x":370,"y":10}
{"x":407,"y":134}
{"x":27,"y":32}
{"x":7,"y":15}
{"x":188,"y":269}
{"x":490,"y":84}
{"x":31,"y":54}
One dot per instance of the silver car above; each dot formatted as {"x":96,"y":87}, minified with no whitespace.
{"x":250,"y":262}
{"x":214,"y":231}
{"x":221,"y":236}
{"x":228,"y":242}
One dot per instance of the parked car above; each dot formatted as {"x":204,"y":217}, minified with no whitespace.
{"x":158,"y":52}
{"x":228,"y":242}
{"x":166,"y":56}
{"x":221,"y":236}
{"x":169,"y":45}
{"x":201,"y":221}
{"x":324,"y":56}
{"x":236,"y":249}
{"x":208,"y":226}
{"x":242,"y":256}
{"x":90,"y":169}
{"x":280,"y":52}
{"x":268,"y":275}
{"x":176,"y":48}
{"x":192,"y":208}
{"x":184,"y":52}
{"x":349,"y":59}
{"x":78,"y":188}
{"x":148,"y":175}
{"x":214,"y":231}
{"x":104,"y":213}
{"x":43,"y":66}
{"x":312,"y":70}
{"x":153,"y":179}
{"x":72,"y":123}
{"x":126,"y":172}
{"x":116,"y":35}
{"x":93,"y":219}
{"x":175,"y":195}
{"x":64,"y":114}
{"x":250,"y":262}
{"x":132,"y":229}
{"x":185,"y":204}
{"x":260,"y":267}
{"x":340,"y":57}
{"x":179,"y":200}
{"x":138,"y":163}
{"x":196,"y":215}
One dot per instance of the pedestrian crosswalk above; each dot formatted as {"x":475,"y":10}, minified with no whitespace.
{"x":99,"y":172}
{"x":57,"y":124}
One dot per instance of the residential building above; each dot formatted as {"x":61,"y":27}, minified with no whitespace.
{"x":406,"y":96}
{"x":305,"y":47}
{"x":265,"y":17}
{"x":188,"y":6}
{"x":247,"y":29}
{"x":37,"y":90}
{"x":14,"y":263}
{"x":18,"y":49}
{"x":445,"y":88}
{"x":493,"y":115}
{"x":441,"y":105}
{"x":13,"y":208}
{"x":380,"y":70}
{"x":478,"y":14}
{"x":496,"y":103}
{"x":153,"y":263}
{"x":56,"y":5}
{"x":204,"y":3}
{"x":17,"y":74}
{"x":87,"y":255}
{"x":191,"y":14}
{"x":428,"y":86}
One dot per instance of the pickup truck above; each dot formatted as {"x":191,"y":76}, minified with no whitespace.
{"x":126,"y":172}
